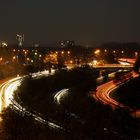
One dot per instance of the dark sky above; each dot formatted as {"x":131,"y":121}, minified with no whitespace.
{"x":85,"y":21}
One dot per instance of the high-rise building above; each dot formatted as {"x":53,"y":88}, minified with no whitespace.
{"x":66,"y":43}
{"x":20,"y":39}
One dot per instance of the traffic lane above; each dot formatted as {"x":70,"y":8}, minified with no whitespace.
{"x":103,"y":95}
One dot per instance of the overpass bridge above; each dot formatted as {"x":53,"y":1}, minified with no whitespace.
{"x":105,"y":66}
{"x":124,"y":63}
{"x":112,"y":66}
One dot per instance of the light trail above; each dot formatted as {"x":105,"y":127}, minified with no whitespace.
{"x":128,"y":60}
{"x":61,"y":94}
{"x":7,"y":90}
{"x":113,"y":66}
{"x":103,"y":95}
{"x":124,"y":63}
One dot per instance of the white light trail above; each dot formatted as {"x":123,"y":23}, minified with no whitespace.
{"x":59,"y":95}
{"x":7,"y":90}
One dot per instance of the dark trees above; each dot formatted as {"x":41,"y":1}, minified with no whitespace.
{"x":137,"y":65}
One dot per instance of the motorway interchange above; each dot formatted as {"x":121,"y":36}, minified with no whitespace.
{"x":8,"y":87}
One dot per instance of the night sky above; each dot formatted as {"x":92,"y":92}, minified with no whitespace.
{"x":85,"y":21}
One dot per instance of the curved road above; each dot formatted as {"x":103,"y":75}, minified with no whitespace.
{"x":103,"y":95}
{"x":7,"y":90}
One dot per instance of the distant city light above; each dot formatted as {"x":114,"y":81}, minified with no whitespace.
{"x":97,"y":52}
{"x":62,"y":52}
{"x":71,"y":61}
{"x":4,"y":44}
{"x":35,"y":53}
{"x":95,"y":62}
{"x":25,"y":52}
{"x":68,"y":52}
{"x":114,"y":51}
{"x":136,"y":54}
{"x":14,"y":57}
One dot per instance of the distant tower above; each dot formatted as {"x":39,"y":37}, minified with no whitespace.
{"x":20,"y":39}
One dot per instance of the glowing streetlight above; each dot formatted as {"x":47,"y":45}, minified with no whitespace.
{"x":136,"y":54}
{"x":35,"y":53}
{"x":62,"y":52}
{"x":28,"y":59}
{"x":25,"y":52}
{"x":95,"y":62}
{"x":97,"y":51}
{"x":68,"y":52}
{"x":71,"y":61}
{"x":14,"y":57}
{"x":114,"y":51}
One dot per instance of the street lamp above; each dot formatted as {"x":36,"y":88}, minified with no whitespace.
{"x":62,"y":52}
{"x":68,"y":52}
{"x":35,"y":53}
{"x":14,"y":57}
{"x":97,"y":51}
{"x":136,"y":54}
{"x":114,"y":51}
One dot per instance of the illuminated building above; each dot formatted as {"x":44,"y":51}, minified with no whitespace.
{"x":66,"y":43}
{"x":20,"y":39}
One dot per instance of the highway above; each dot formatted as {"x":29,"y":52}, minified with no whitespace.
{"x":113,"y":66}
{"x":127,"y":60}
{"x":8,"y":87}
{"x":103,"y":95}
{"x":124,"y":63}
{"x":103,"y":92}
{"x":7,"y":91}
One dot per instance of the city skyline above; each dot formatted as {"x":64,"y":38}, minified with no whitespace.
{"x":85,"y":22}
